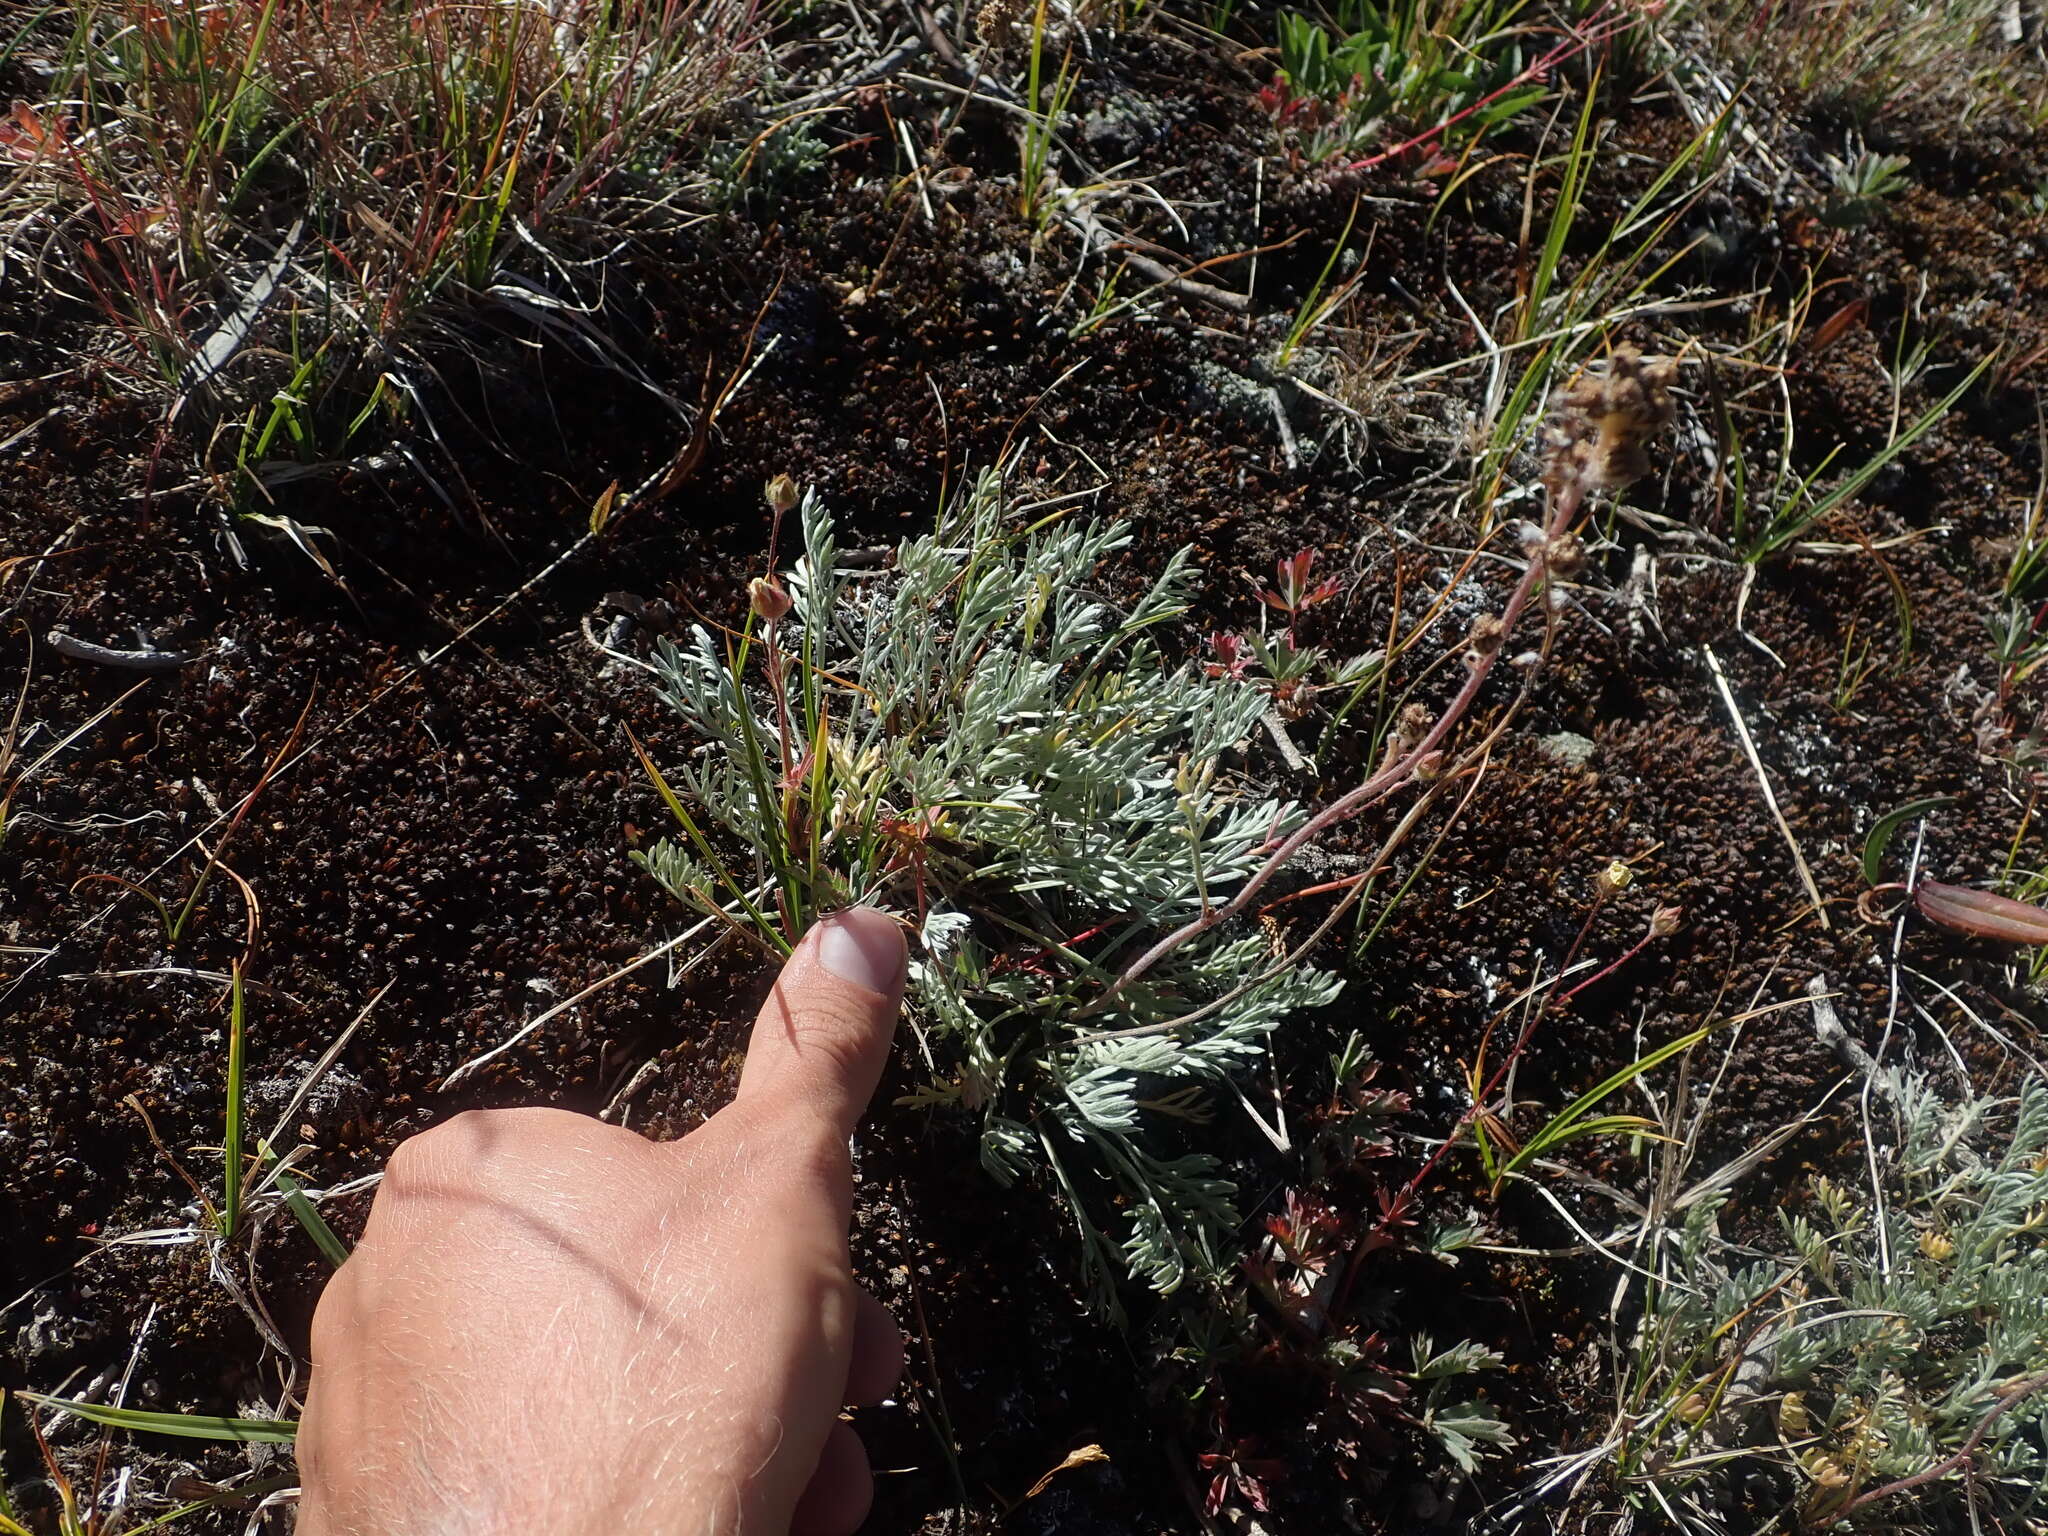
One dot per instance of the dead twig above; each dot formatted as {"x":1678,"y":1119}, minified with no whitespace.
{"x":106,"y":656}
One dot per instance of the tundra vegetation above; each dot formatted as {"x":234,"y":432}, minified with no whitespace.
{"x":1431,"y":613}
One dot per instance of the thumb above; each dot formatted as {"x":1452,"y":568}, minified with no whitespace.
{"x":822,"y":1037}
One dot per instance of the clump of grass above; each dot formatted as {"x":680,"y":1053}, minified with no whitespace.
{"x":1867,"y":59}
{"x":1383,"y":69}
{"x":2019,"y":627}
{"x":1789,"y":518}
{"x":275,"y":204}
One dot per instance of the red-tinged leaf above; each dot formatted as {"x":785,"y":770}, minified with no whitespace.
{"x":1219,"y":1489}
{"x":1981,"y":913}
{"x":1832,"y":328}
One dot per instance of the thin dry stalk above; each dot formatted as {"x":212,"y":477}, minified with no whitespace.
{"x":1764,"y":782}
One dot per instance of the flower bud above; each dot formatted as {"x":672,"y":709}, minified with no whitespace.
{"x":1664,"y":921}
{"x":769,"y":600}
{"x":781,"y":494}
{"x":1617,"y":876}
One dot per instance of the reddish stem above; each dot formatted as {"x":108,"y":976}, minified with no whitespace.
{"x":1576,"y":44}
{"x":1398,"y":1207}
{"x":1381,"y":784}
{"x":2009,"y":1399}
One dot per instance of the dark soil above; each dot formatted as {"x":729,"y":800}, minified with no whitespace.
{"x":447,"y":831}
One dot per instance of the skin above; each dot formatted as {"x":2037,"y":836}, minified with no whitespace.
{"x":553,"y":1324}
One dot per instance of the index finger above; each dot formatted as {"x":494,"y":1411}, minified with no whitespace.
{"x":822,"y":1038}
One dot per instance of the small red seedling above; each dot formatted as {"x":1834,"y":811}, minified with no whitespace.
{"x":1295,"y":593}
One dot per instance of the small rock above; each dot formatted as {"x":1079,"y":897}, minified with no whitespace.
{"x":1568,"y":748}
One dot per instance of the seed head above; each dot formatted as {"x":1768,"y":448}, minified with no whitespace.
{"x":1600,"y":422}
{"x":997,"y":20}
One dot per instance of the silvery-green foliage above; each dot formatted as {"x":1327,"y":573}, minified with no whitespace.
{"x":980,"y":740}
{"x":1885,"y":1332}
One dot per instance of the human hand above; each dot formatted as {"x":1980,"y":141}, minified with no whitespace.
{"x":553,"y":1324}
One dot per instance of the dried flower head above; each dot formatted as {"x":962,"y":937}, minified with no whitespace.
{"x":1600,"y":422}
{"x":1486,"y":636}
{"x":1664,"y":921}
{"x":1564,"y":556}
{"x":1617,"y":876}
{"x":1410,"y":727}
{"x":996,"y":20}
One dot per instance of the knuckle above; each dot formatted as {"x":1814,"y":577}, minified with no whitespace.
{"x":465,"y":1145}
{"x":334,"y":1325}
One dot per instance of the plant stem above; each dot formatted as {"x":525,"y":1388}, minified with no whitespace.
{"x":2008,"y":1400}
{"x":1575,"y":44}
{"x":231,"y":1141}
{"x":1381,"y":784}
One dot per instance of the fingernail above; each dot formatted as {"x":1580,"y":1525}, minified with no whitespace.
{"x":863,"y":946}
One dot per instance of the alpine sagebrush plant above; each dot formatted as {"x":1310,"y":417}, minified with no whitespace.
{"x":979,"y":741}
{"x":1894,"y":1354}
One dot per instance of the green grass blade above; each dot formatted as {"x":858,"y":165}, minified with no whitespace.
{"x":186,"y":1426}
{"x":308,"y":1216}
{"x":1882,"y":830}
{"x":240,"y":1495}
{"x":703,"y":845}
{"x":1561,"y":1125}
{"x":1793,"y":528}
{"x":1487,"y":1161}
{"x":1578,"y":166}
{"x":231,"y":1143}
{"x":1610,"y":1125}
{"x":1306,"y":317}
